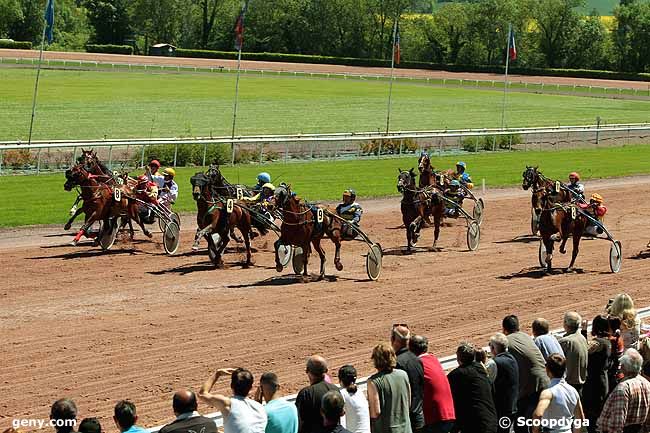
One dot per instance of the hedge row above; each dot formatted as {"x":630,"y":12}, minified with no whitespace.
{"x":350,"y":61}
{"x":15,"y":45}
{"x":109,"y":49}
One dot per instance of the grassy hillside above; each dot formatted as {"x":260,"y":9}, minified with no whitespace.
{"x":604,"y":7}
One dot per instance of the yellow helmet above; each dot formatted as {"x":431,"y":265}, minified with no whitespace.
{"x":597,"y":198}
{"x":269,"y":186}
{"x":169,"y":172}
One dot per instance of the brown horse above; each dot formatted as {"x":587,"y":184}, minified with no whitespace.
{"x":417,"y":205}
{"x":558,"y":220}
{"x":301,"y":226}
{"x":215,"y":217}
{"x":100,"y":202}
{"x":427,"y":173}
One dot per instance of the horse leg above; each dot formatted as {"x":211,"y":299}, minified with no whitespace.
{"x":278,"y":265}
{"x":437,"y":219}
{"x":577,"y":234}
{"x":414,"y":227}
{"x":200,"y":234}
{"x":88,"y":222}
{"x":224,"y":243}
{"x":305,"y":259}
{"x":548,"y":244}
{"x":72,"y":218}
{"x":335,"y":236}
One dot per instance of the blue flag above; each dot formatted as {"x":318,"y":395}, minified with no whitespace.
{"x":49,"y":21}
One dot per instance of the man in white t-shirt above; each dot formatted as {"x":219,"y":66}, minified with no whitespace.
{"x":240,"y":413}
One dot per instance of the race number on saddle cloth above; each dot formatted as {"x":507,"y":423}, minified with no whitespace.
{"x":350,"y":211}
{"x":151,"y":171}
{"x":168,"y":193}
{"x":597,"y":210}
{"x":575,"y":186}
{"x":462,"y":176}
{"x":456,"y":194}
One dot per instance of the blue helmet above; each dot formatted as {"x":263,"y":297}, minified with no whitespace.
{"x":423,"y":154}
{"x":454,"y":183}
{"x":465,"y":177}
{"x":350,"y":193}
{"x":461,"y":164}
{"x":264,"y":177}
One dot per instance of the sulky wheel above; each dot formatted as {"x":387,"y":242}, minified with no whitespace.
{"x":542,"y":254}
{"x":285,"y":254}
{"x":297,"y":260}
{"x":108,"y":234}
{"x":374,"y":262}
{"x":477,"y":212}
{"x":534,"y":222}
{"x":615,"y":257}
{"x":473,"y":235}
{"x":171,"y":238}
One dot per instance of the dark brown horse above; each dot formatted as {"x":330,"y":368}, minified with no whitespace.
{"x":559,"y":219}
{"x":418,"y":205}
{"x":100,"y":202}
{"x":215,"y":216}
{"x":301,"y":227}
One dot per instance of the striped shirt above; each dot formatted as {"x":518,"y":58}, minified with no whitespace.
{"x":628,"y":404}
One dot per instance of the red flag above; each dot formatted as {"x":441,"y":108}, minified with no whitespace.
{"x":397,"y":53}
{"x":513,"y":48}
{"x":239,"y":27}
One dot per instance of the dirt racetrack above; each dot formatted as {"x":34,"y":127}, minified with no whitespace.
{"x":134,"y":323}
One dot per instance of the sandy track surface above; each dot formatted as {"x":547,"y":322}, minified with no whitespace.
{"x":317,"y":68}
{"x":135,"y":323}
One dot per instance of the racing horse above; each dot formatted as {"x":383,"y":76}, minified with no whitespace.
{"x":301,"y":226}
{"x":99,"y":201}
{"x":417,"y":205}
{"x":427,"y":174}
{"x":559,"y":218}
{"x":216,"y":216}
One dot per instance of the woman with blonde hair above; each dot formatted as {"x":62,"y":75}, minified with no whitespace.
{"x":622,"y":307}
{"x":389,"y":393}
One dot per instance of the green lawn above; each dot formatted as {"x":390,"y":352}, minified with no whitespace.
{"x":41,"y":199}
{"x":85,"y":104}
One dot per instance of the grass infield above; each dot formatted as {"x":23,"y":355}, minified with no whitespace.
{"x":28,"y":200}
{"x":77,"y":104}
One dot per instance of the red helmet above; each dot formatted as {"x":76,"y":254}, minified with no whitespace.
{"x":155,"y":163}
{"x":574,"y":174}
{"x":142,"y":179}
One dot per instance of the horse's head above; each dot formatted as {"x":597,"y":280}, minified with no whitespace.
{"x":530,"y":177}
{"x":405,"y":180}
{"x":424,"y":163}
{"x":281,"y":196}
{"x":74,"y":177}
{"x":199,"y":181}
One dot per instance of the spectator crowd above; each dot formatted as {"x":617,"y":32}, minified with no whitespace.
{"x":539,"y":383}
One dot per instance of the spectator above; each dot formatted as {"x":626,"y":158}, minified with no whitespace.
{"x":240,"y":413}
{"x":532,"y":368}
{"x":188,"y":420}
{"x":545,"y":342}
{"x":622,"y":307}
{"x":90,"y":425}
{"x":472,"y":393}
{"x":488,"y":363}
{"x":645,"y":370}
{"x":559,"y":404}
{"x":407,"y":361}
{"x":596,"y":386}
{"x":357,"y":417}
{"x":437,"y":404}
{"x":389,"y":394}
{"x":282,"y":416}
{"x":64,"y":414}
{"x":125,"y":417}
{"x":626,"y":408}
{"x":310,"y":398}
{"x":506,"y":383}
{"x":575,"y":350}
{"x":332,"y":409}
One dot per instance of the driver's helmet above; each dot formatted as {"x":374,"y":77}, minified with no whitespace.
{"x":169,"y":172}
{"x":454,"y":184}
{"x":574,"y":175}
{"x":461,"y":164}
{"x":350,"y":193}
{"x":597,"y":198}
{"x":154,"y":163}
{"x":143,"y":180}
{"x":264,"y":178}
{"x":423,"y":154}
{"x":268,"y":186}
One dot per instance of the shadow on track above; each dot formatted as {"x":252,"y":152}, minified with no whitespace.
{"x":524,"y":239}
{"x":401,"y":251}
{"x":642,"y":255}
{"x":88,"y":254}
{"x":537,"y":273}
{"x":287,"y":280}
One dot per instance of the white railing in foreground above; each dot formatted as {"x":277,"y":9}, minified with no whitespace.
{"x":354,"y":136}
{"x":448,"y":363}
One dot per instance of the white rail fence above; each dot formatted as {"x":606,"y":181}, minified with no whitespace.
{"x":52,"y":155}
{"x":452,"y":82}
{"x":448,"y":363}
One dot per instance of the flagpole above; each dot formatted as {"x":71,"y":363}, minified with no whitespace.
{"x":234,"y":111}
{"x":38,"y":74}
{"x":392,"y":70}
{"x":505,"y":81}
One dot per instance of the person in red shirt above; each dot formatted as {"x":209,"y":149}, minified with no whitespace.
{"x":596,"y":209}
{"x":438,"y":404}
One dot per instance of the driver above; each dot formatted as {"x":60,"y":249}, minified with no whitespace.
{"x":262,"y":201}
{"x":147,"y":192}
{"x":596,"y":209}
{"x":151,"y":171}
{"x":575,"y":186}
{"x":169,"y":191}
{"x":456,"y":194}
{"x":262,"y":179}
{"x":350,"y":211}
{"x":462,"y":176}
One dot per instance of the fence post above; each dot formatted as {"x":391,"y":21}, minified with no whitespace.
{"x":74,"y":154}
{"x":38,"y":162}
{"x":175,"y":154}
{"x":510,"y":142}
{"x":205,"y":153}
{"x":597,"y":130}
{"x":144,"y":146}
{"x":311,"y":150}
{"x":286,"y":151}
{"x":110,"y":158}
{"x":380,"y":146}
{"x":1,"y":151}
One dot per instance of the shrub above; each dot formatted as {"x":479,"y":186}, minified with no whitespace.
{"x":388,"y":147}
{"x":490,"y":142}
{"x":109,"y":49}
{"x":17,"y":159}
{"x":15,"y":45}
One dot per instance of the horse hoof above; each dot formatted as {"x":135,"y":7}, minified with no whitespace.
{"x":563,"y":250}
{"x":67,"y":226}
{"x":195,"y":247}
{"x":278,"y":267}
{"x":74,"y":243}
{"x":149,"y":235}
{"x":339,"y":266}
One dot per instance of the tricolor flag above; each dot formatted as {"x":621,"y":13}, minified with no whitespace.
{"x":513,"y":48}
{"x":239,"y":27}
{"x":49,"y":21}
{"x":397,"y":53}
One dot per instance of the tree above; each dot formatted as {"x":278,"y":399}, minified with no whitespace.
{"x":632,"y":37}
{"x":557,"y":21}
{"x":10,"y":14}
{"x":158,"y":20}
{"x":110,"y":20}
{"x":587,"y":50}
{"x":208,"y":17}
